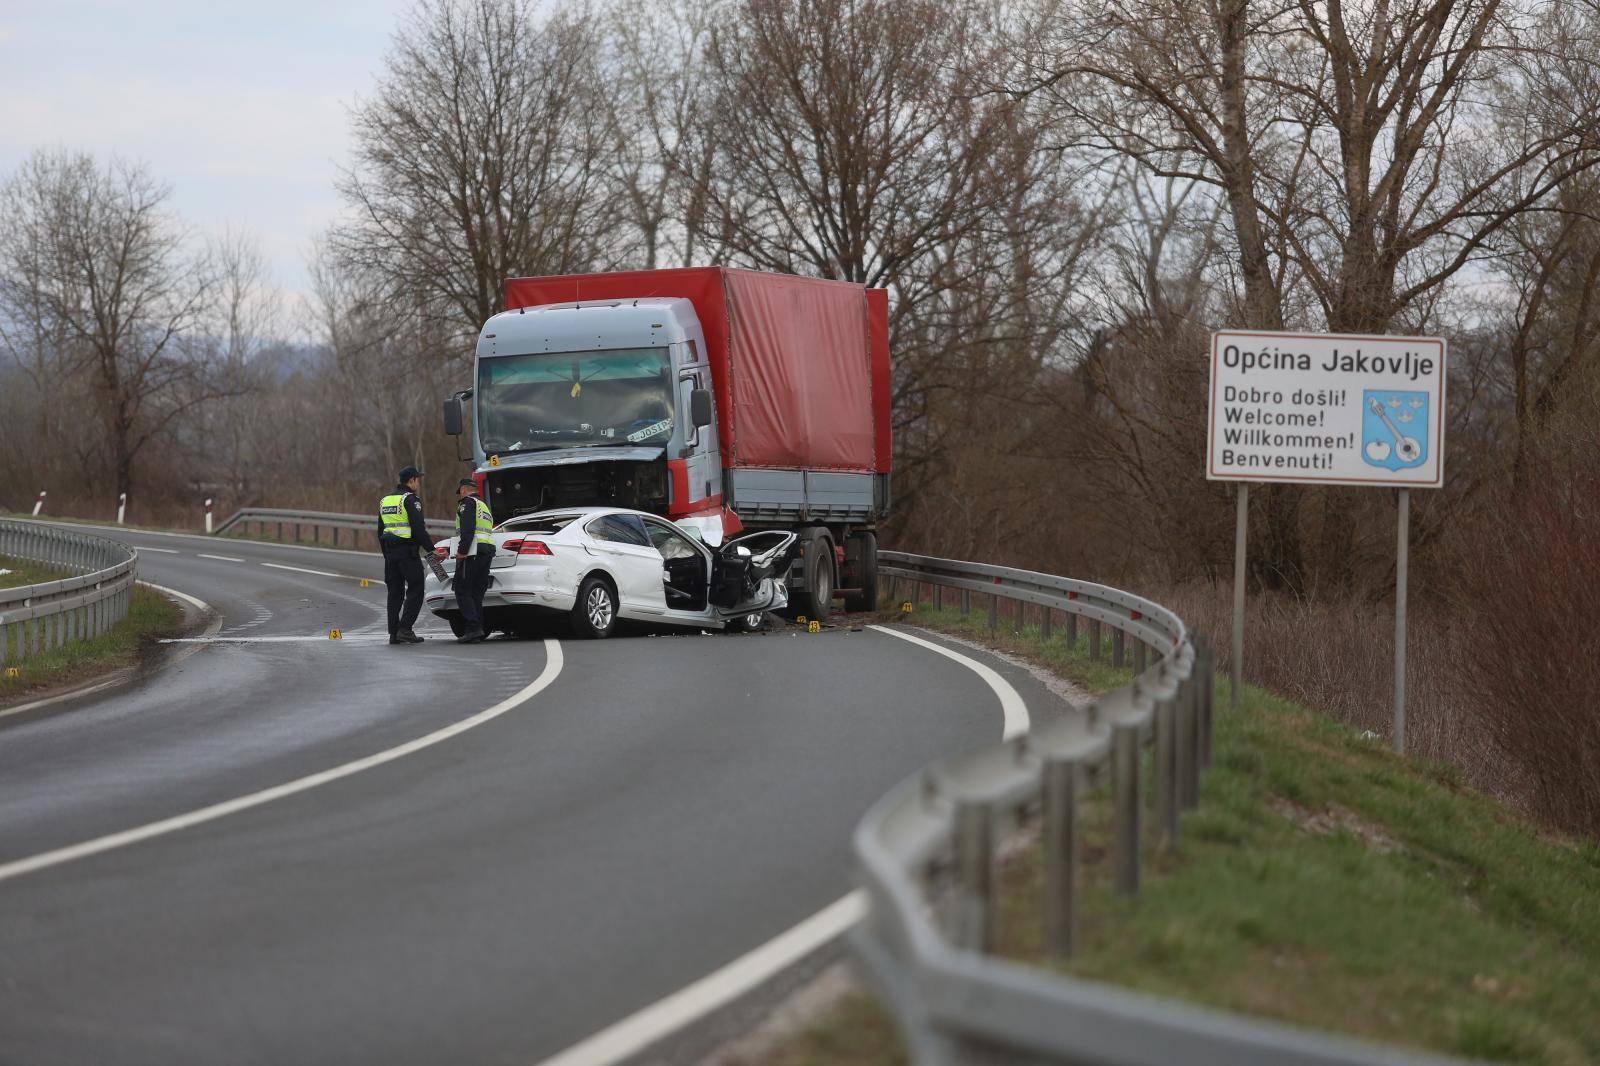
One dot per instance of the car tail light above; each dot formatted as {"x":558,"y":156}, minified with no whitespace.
{"x":442,"y":552}
{"x":527,"y":547}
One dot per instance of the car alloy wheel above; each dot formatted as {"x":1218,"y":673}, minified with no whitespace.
{"x":598,"y":607}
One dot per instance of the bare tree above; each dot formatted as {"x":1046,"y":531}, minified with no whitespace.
{"x":93,"y":262}
{"x":482,"y":155}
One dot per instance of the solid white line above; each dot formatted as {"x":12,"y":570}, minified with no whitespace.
{"x":77,"y":693}
{"x":220,"y":558}
{"x":18,"y":867}
{"x":163,"y":551}
{"x":374,"y":638}
{"x":123,"y":676}
{"x":1013,"y":706}
{"x":661,"y":1019}
{"x":664,"y":1017}
{"x":303,"y":570}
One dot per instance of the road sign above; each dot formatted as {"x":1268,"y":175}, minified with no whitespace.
{"x":1326,"y":408}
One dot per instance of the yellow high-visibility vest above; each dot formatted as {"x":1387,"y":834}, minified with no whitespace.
{"x":392,"y":512}
{"x":484,"y":528}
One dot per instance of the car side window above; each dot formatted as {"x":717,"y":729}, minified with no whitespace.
{"x":670,"y":543}
{"x":618,"y":530}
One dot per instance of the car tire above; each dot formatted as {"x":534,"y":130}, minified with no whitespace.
{"x":594,"y":615}
{"x":457,"y":625}
{"x":816,"y":597}
{"x":866,"y":575}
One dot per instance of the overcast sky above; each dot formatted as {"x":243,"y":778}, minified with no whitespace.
{"x":242,"y":108}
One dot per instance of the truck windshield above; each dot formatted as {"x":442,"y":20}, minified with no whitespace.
{"x":574,"y":399}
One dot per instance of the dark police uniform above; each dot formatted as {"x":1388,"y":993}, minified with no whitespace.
{"x":474,"y":526}
{"x":402,"y":534}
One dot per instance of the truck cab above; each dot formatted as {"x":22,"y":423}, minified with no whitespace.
{"x":599,"y":404}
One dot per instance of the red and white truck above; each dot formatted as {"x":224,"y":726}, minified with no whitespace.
{"x":722,"y":399}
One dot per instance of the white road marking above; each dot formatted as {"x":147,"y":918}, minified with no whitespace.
{"x":664,"y":1017}
{"x":220,"y":558}
{"x":303,"y":570}
{"x":163,"y":551}
{"x":18,"y":867}
{"x":124,"y":675}
{"x":661,"y":1019}
{"x":1011,"y":704}
{"x":321,"y":637}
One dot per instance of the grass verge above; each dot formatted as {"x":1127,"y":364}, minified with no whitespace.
{"x":1323,"y":881}
{"x":150,"y":617}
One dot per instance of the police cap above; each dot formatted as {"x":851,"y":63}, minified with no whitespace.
{"x":410,"y":472}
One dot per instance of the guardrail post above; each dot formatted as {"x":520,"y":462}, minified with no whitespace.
{"x":1061,"y":857}
{"x":976,"y":917}
{"x":1165,"y":792}
{"x":1019,"y":616}
{"x":1140,"y":662}
{"x":1094,"y":639}
{"x":1117,"y":653}
{"x":1207,"y":664}
{"x":994,"y":612}
{"x":1045,"y":623}
{"x":966,"y":602}
{"x":280,"y":532}
{"x":894,"y":592}
{"x":1072,"y":631}
{"x":1188,"y":743}
{"x":1125,"y":810}
{"x":938,"y":597}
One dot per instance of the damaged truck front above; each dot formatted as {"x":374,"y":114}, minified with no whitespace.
{"x":722,"y":399}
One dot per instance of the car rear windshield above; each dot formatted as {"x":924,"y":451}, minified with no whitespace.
{"x":545,"y":523}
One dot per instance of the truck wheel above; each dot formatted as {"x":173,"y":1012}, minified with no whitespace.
{"x":866,"y":575}
{"x":594,"y":615}
{"x":816,"y":598}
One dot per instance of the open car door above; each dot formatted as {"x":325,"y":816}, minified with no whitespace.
{"x":747,"y":573}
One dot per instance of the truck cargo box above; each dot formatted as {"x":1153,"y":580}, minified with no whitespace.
{"x":800,"y":366}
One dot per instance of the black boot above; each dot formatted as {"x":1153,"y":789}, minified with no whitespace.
{"x":405,"y":636}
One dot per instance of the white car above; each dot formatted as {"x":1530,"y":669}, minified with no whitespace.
{"x":601,"y":564}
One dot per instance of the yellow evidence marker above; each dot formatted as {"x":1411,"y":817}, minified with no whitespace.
{"x":814,"y":627}
{"x":334,"y":634}
{"x":799,"y":619}
{"x":13,"y":672}
{"x":364,"y":582}
{"x":906,"y":608}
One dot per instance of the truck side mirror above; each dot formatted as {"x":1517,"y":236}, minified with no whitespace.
{"x":700,"y":407}
{"x":452,"y":416}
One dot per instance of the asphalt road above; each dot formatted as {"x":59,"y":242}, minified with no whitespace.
{"x":664,"y":805}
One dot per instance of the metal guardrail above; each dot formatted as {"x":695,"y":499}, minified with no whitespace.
{"x":38,"y":618}
{"x":318,"y":521}
{"x":928,"y":850}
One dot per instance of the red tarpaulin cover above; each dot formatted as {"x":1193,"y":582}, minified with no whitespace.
{"x":800,"y":365}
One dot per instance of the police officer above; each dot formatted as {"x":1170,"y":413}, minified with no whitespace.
{"x":474,"y":549}
{"x":402,"y":534}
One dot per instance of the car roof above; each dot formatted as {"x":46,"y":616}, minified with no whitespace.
{"x":584,"y":512}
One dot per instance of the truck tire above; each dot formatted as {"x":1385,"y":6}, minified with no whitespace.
{"x":866,"y":575}
{"x":816,"y":596}
{"x":594,"y":615}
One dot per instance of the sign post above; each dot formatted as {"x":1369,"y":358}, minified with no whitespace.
{"x":1326,"y":409}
